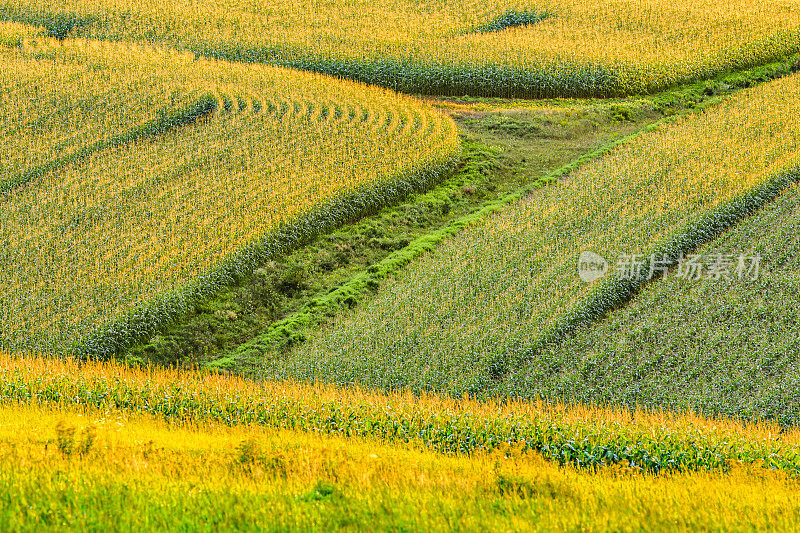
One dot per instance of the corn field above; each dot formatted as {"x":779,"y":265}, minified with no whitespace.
{"x":455,"y":47}
{"x":727,"y":346}
{"x":54,"y":106}
{"x":154,"y":153}
{"x":460,"y":319}
{"x":13,"y":34}
{"x":90,"y":469}
{"x":100,"y":248}
{"x":567,"y":434}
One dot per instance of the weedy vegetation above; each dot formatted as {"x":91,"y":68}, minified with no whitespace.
{"x":142,"y":473}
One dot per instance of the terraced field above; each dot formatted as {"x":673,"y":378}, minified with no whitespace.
{"x":125,"y":237}
{"x":661,"y":194}
{"x":455,"y":47}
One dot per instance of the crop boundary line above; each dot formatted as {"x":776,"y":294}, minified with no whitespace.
{"x":560,"y":441}
{"x":612,"y":293}
{"x":314,"y":311}
{"x":150,"y":316}
{"x":195,"y":110}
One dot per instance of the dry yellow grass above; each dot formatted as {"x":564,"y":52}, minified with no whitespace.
{"x":62,"y":468}
{"x":568,"y":434}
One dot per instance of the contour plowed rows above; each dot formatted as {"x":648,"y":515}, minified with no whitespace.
{"x":462,"y":317}
{"x":457,"y":47}
{"x":135,"y":221}
{"x":50,"y":109}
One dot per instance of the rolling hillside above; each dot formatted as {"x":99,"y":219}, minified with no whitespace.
{"x":462,"y":317}
{"x":725,"y":346}
{"x":455,"y":47}
{"x":111,"y":242}
{"x":246,"y":283}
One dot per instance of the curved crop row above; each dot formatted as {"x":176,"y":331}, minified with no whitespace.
{"x":565,"y":434}
{"x":501,"y":48}
{"x":720,"y":346}
{"x":115,"y":244}
{"x":477,"y":307}
{"x":53,"y":110}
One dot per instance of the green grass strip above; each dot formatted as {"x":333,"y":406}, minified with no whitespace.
{"x":289,"y":329}
{"x":151,"y":316}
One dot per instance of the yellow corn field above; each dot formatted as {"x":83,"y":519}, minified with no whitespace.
{"x":455,"y":47}
{"x":154,"y":153}
{"x":130,"y":223}
{"x":56,"y":109}
{"x":580,"y":435}
{"x":83,"y":469}
{"x":13,"y":34}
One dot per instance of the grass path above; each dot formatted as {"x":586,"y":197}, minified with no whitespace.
{"x":517,"y":125}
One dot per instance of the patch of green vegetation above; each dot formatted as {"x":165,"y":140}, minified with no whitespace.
{"x":542,"y":124}
{"x":321,"y":491}
{"x":666,"y":103}
{"x":57,"y":24}
{"x":621,"y":113}
{"x":495,"y":164}
{"x":513,"y":19}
